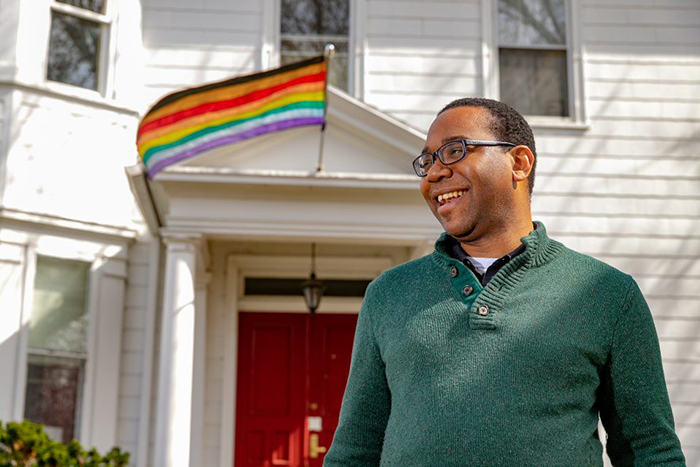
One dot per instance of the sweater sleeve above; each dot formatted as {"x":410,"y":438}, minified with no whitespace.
{"x":634,"y":404}
{"x":366,"y":404}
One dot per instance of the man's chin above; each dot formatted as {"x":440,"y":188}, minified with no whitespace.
{"x":460,"y":232}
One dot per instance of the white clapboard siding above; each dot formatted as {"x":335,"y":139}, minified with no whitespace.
{"x":565,"y":145}
{"x":189,"y":76}
{"x":587,"y":205}
{"x":618,"y":185}
{"x":424,"y":10}
{"x":201,"y":19}
{"x":616,"y":15}
{"x":659,"y":34}
{"x":431,"y":65}
{"x":188,"y":45}
{"x":670,"y":307}
{"x":132,"y":361}
{"x":422,"y":58}
{"x":382,"y":83}
{"x":631,"y":70}
{"x":685,"y":111}
{"x":604,"y":88}
{"x":683,"y":372}
{"x":648,"y":166}
{"x":644,"y":128}
{"x":654,"y":246}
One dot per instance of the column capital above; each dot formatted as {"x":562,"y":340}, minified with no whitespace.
{"x":186,"y":241}
{"x":179,"y":238}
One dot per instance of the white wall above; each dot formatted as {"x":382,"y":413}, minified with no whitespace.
{"x":135,"y":338}
{"x":420,"y":56}
{"x":66,"y":159}
{"x":187,"y":46}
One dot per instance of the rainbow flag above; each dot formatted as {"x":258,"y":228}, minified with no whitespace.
{"x":189,"y":122}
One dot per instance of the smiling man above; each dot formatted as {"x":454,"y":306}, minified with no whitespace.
{"x":502,"y":347}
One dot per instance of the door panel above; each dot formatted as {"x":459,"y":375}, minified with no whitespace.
{"x":269,"y":425}
{"x":331,"y":349}
{"x":290,"y":367}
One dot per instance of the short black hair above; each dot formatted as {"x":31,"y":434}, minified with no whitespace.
{"x":507,"y":125}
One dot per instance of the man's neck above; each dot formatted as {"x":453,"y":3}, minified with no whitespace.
{"x":499,"y":243}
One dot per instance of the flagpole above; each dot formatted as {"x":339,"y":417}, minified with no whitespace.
{"x":147,"y":178}
{"x":328,"y":53}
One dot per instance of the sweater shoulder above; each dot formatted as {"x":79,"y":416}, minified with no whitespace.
{"x":400,"y":277}
{"x":586,"y":267}
{"x":405,"y":271}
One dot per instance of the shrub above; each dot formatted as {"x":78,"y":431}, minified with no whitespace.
{"x":26,"y":445}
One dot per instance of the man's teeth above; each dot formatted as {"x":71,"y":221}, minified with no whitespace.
{"x":452,"y":194}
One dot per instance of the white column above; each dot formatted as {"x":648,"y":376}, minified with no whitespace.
{"x":177,"y":350}
{"x":199,"y":375}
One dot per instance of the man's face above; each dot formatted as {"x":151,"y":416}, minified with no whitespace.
{"x":481,"y":184}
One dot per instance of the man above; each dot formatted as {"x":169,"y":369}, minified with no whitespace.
{"x":502,"y":347}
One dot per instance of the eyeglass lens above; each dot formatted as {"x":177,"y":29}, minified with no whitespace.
{"x":448,"y":154}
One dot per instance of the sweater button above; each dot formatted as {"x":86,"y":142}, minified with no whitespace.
{"x":453,"y":271}
{"x":467,"y":290}
{"x":483,"y":310}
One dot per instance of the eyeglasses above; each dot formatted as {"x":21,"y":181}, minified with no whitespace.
{"x":450,"y":153}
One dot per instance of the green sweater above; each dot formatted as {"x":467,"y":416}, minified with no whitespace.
{"x":446,"y":372}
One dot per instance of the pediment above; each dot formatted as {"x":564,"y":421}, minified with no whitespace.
{"x":358,"y":139}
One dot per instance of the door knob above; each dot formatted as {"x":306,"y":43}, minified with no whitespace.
{"x":314,"y":448}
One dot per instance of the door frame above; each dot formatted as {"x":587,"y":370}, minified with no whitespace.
{"x":238,"y":267}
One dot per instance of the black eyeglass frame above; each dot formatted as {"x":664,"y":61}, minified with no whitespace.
{"x":465,"y":143}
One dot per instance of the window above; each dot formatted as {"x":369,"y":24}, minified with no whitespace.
{"x":306,"y":26}
{"x":57,"y":349}
{"x":289,"y":287}
{"x":77,"y":42}
{"x":534,"y":57}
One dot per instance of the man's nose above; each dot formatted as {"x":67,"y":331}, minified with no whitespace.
{"x":438,"y":171}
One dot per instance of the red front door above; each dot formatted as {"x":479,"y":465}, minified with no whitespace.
{"x":292,"y":370}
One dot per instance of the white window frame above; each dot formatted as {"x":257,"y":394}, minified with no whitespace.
{"x":83,"y":356}
{"x":577,"y":118}
{"x":270,"y":51}
{"x":106,"y":56}
{"x":97,"y":416}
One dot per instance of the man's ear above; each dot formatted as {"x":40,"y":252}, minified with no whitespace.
{"x":523,"y":160}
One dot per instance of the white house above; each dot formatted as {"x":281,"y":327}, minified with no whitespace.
{"x":164,"y":316}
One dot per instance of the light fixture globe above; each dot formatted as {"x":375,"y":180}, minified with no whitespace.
{"x":313,"y":291}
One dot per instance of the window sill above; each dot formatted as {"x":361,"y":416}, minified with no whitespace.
{"x":60,"y":90}
{"x":553,"y":123}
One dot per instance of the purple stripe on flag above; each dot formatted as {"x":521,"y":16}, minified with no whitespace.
{"x":261,"y":130}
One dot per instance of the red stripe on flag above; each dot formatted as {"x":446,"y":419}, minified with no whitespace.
{"x":229,"y":103}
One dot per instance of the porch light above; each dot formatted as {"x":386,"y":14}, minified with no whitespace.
{"x":313,"y":288}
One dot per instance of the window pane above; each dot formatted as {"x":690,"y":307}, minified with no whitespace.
{"x":73,"y":50}
{"x":308,"y":25}
{"x":534,"y":81}
{"x":324,"y":17}
{"x":53,"y":395}
{"x":334,"y":288}
{"x":297,"y":50}
{"x":531,"y":22}
{"x":98,"y":6}
{"x":59,"y":314}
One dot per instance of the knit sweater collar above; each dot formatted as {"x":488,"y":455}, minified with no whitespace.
{"x":539,"y":248}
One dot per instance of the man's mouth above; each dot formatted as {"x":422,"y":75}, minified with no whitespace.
{"x":452,"y":195}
